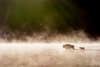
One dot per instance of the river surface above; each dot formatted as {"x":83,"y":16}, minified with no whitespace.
{"x":40,"y":54}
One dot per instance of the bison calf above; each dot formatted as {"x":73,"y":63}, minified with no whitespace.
{"x":82,"y":48}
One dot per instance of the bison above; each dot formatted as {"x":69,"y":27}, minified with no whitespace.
{"x":68,"y":46}
{"x":82,"y":48}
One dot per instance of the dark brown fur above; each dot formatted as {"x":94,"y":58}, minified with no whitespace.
{"x":69,"y":46}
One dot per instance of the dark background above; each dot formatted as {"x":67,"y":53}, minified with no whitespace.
{"x":60,"y":16}
{"x":90,"y":17}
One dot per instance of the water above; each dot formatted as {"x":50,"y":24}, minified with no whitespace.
{"x":40,"y":54}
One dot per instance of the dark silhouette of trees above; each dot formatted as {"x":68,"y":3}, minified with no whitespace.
{"x":42,"y":15}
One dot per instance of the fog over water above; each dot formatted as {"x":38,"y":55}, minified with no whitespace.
{"x":33,"y":32}
{"x":50,"y":53}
